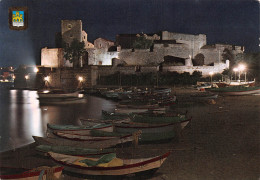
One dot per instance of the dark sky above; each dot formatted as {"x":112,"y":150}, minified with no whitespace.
{"x":223,"y":21}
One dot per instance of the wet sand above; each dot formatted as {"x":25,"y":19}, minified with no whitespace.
{"x":221,"y":142}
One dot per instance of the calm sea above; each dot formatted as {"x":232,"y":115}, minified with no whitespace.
{"x":21,"y":115}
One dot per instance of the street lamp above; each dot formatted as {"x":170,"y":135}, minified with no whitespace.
{"x":235,"y":70}
{"x":36,"y":70}
{"x":47,"y":78}
{"x":241,"y":68}
{"x":26,"y":77}
{"x":80,"y":78}
{"x":211,"y":74}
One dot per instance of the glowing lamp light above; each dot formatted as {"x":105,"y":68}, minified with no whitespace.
{"x":47,"y":78}
{"x":235,"y":69}
{"x":211,"y":73}
{"x":80,"y":78}
{"x":241,"y":67}
{"x":26,"y":77}
{"x":13,"y":77}
{"x":36,"y":70}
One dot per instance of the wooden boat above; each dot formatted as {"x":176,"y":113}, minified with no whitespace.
{"x":154,"y":118}
{"x":75,"y":140}
{"x":93,"y":122}
{"x":43,"y":173}
{"x":237,"y":90}
{"x":138,"y":110}
{"x":69,"y":150}
{"x":113,"y":116}
{"x":144,"y":127}
{"x":202,"y":96}
{"x":82,"y":130}
{"x":115,"y":167}
{"x":57,"y":94}
{"x":62,"y":100}
{"x":144,"y":137}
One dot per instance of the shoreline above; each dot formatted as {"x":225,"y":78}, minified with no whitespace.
{"x":221,"y":142}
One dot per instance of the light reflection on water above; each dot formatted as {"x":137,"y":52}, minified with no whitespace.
{"x":22,"y":116}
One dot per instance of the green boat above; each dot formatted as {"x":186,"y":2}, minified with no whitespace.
{"x":144,"y":137}
{"x":113,"y":116}
{"x":237,"y":90}
{"x":157,"y":118}
{"x":69,"y":150}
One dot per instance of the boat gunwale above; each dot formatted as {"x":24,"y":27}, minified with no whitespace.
{"x":96,"y":168}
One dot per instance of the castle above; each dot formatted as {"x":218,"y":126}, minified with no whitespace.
{"x":164,"y":51}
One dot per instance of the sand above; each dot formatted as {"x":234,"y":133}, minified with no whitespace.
{"x":221,"y":143}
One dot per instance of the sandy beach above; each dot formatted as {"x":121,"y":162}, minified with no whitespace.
{"x":221,"y":142}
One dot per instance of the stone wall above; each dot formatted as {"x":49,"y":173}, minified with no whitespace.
{"x":71,"y":29}
{"x":52,"y":57}
{"x":217,"y":68}
{"x":67,"y":78}
{"x":101,"y":57}
{"x":101,"y":43}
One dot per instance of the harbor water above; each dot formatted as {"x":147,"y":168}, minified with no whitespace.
{"x":22,"y":116}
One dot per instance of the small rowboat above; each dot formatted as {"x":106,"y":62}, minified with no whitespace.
{"x":138,"y":110}
{"x":43,"y":173}
{"x":144,"y":137}
{"x":120,"y":167}
{"x":57,"y":94}
{"x":144,"y":127}
{"x":237,"y":90}
{"x":75,"y":140}
{"x":42,"y":149}
{"x":93,"y":122}
{"x":82,"y":130}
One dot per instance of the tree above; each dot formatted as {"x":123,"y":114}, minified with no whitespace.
{"x":74,"y":51}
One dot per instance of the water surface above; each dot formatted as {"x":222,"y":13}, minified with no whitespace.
{"x":22,"y":116}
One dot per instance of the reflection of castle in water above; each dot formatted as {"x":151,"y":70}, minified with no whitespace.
{"x":17,"y":18}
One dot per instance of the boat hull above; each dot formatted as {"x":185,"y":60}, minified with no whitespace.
{"x":130,"y":166}
{"x":31,"y":174}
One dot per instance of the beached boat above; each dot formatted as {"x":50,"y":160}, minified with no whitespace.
{"x":93,"y":122}
{"x":76,"y":140}
{"x":44,"y":173}
{"x":138,"y":110}
{"x":154,"y":118}
{"x":144,"y":127}
{"x":237,"y":90}
{"x":155,"y":137}
{"x":82,"y":130}
{"x":109,"y":165}
{"x":113,"y":115}
{"x":202,"y":96}
{"x":69,"y":150}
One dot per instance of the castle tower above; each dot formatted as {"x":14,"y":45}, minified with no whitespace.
{"x":71,"y":29}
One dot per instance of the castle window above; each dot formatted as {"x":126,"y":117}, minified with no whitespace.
{"x":71,"y":35}
{"x":69,"y":26}
{"x":100,"y":45}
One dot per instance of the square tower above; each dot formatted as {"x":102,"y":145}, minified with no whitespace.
{"x":71,"y":29}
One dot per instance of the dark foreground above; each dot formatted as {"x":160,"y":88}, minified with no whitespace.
{"x":221,"y":142}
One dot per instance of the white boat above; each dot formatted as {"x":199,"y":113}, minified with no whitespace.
{"x":75,"y":140}
{"x":56,"y":94}
{"x":81,"y":130}
{"x":114,"y":167}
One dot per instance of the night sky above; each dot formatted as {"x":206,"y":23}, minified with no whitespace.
{"x":223,"y":21}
